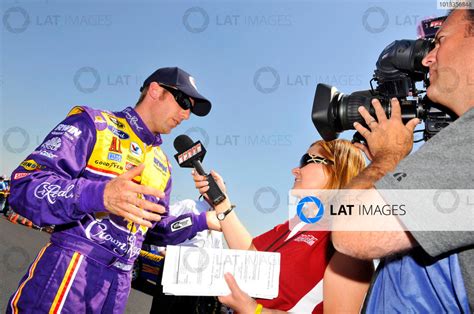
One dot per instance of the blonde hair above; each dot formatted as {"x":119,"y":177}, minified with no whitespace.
{"x":347,"y":160}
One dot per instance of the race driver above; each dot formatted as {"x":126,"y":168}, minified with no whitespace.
{"x":103,"y":180}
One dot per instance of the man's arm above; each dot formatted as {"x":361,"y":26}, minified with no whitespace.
{"x":389,"y":141}
{"x":172,"y":230}
{"x":46,"y":189}
{"x":346,"y":281}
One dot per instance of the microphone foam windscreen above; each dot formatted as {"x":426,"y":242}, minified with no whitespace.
{"x":182,"y":143}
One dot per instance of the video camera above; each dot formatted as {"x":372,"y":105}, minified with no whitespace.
{"x":398,"y":69}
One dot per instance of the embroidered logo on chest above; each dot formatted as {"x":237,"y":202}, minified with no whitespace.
{"x":307,"y":238}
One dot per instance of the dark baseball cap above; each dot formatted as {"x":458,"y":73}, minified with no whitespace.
{"x":185,"y":83}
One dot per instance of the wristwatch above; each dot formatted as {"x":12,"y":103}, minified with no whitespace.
{"x":221,"y":216}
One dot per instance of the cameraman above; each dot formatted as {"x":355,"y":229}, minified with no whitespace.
{"x":422,"y":271}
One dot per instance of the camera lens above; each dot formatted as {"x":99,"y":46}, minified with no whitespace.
{"x":334,"y":112}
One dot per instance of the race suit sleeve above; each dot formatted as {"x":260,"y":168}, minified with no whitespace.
{"x":172,"y":230}
{"x":47,"y":187}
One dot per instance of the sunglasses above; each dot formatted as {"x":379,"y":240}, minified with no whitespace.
{"x":308,"y":158}
{"x":181,"y":98}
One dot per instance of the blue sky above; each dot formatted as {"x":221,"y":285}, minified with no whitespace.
{"x":257,"y":61}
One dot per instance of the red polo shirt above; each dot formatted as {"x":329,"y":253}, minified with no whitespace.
{"x":304,"y":257}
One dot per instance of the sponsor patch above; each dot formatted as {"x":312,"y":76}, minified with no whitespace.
{"x":134,"y":160}
{"x":121,"y":134}
{"x":307,"y":238}
{"x":114,"y":157}
{"x":45,"y":154}
{"x":111,"y":165}
{"x":181,"y":224}
{"x":159,"y":165}
{"x":115,"y":145}
{"x":100,"y":123}
{"x":135,"y":149}
{"x":115,"y":121}
{"x":52,"y":144}
{"x":102,"y":233}
{"x":51,"y":192}
{"x":31,"y":165}
{"x":67,"y":129}
{"x":133,"y":120}
{"x":129,"y":166}
{"x":99,"y":119}
{"x":20,"y":175}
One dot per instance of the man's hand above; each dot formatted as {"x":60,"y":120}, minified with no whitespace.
{"x":389,"y":140}
{"x":121,"y":197}
{"x":238,"y":300}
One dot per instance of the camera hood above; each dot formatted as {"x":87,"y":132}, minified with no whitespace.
{"x":323,"y":115}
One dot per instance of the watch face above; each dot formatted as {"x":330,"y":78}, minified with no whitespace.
{"x":220,"y":216}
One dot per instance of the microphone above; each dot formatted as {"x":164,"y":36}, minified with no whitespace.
{"x":190,"y":155}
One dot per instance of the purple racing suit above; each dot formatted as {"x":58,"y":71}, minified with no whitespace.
{"x":86,"y":266}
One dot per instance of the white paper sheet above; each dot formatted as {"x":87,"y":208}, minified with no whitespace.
{"x":200,"y":271}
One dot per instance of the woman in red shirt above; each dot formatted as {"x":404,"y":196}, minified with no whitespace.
{"x":311,"y":270}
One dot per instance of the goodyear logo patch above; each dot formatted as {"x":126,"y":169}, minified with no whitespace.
{"x":31,"y":165}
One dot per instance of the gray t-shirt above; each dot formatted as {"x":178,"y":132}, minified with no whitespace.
{"x":446,"y":161}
